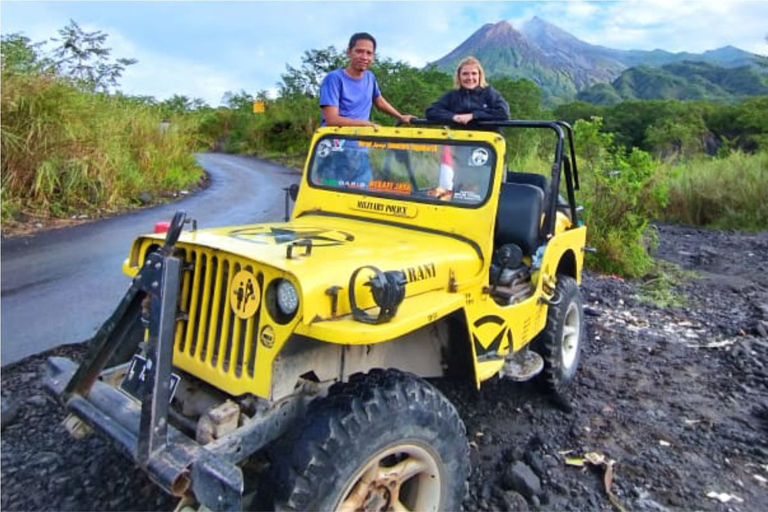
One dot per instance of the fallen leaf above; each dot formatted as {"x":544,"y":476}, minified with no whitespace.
{"x":595,"y":458}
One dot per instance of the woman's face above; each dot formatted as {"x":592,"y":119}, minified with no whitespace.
{"x":469,"y":76}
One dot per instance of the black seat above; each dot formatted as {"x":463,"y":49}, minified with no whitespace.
{"x":541,"y":181}
{"x":518,"y":219}
{"x":528,"y":178}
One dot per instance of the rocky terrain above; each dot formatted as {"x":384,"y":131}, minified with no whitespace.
{"x":669,"y":412}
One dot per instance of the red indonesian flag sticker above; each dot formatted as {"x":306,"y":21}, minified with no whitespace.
{"x":446,"y":169}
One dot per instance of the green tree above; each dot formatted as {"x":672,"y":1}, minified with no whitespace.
{"x":680,"y":134}
{"x":180,"y":104}
{"x":523,"y":96}
{"x":411,"y":90}
{"x":241,"y":101}
{"x":305,"y":80}
{"x":572,"y":112}
{"x":83,"y":57}
{"x":19,"y":55}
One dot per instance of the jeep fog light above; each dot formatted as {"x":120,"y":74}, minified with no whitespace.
{"x":287,"y":297}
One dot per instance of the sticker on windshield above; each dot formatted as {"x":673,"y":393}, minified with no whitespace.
{"x":390,"y":186}
{"x":479,"y":157}
{"x":325,"y":146}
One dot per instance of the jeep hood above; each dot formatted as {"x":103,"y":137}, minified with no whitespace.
{"x":325,"y":251}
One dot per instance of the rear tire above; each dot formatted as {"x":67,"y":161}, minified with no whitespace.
{"x":385,"y":440}
{"x":560,"y":343}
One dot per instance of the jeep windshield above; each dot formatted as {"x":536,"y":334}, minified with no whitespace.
{"x":453,"y":172}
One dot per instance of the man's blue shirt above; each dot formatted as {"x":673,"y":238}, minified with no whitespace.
{"x":353,"y":96}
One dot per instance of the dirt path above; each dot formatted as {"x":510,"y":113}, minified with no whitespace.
{"x":676,"y":395}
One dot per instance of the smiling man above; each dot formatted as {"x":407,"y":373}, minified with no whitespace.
{"x":347,"y":94}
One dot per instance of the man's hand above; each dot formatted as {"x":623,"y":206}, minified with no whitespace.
{"x":462,"y":118}
{"x":407,"y":118}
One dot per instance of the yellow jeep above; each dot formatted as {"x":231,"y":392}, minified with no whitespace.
{"x":282,"y":365}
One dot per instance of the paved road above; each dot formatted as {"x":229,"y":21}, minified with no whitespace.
{"x":59,"y":286}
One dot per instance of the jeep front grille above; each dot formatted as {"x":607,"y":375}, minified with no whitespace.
{"x":209,"y":336}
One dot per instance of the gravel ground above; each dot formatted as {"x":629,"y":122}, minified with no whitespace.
{"x":670,"y":408}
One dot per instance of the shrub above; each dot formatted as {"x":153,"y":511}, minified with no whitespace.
{"x":619,"y":192}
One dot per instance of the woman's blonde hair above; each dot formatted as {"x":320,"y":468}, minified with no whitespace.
{"x":469,"y":61}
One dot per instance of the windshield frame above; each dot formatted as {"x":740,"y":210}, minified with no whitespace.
{"x":492,"y":163}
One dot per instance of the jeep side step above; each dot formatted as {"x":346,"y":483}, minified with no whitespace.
{"x":522,"y":365}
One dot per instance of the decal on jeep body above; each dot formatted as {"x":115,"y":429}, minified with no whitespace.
{"x":489,"y":331}
{"x":420,"y":272}
{"x":395,"y":210}
{"x":272,"y":235}
{"x":245,"y":294}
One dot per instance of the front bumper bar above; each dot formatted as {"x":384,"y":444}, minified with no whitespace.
{"x":180,"y":466}
{"x":174,"y":461}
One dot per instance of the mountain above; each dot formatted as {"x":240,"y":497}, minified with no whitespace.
{"x":504,"y":51}
{"x":686,"y":80}
{"x":562,"y":65}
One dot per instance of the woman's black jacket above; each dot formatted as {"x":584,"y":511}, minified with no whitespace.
{"x":484,"y":103}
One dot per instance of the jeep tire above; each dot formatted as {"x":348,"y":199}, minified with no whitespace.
{"x":385,"y":440}
{"x":561,"y":341}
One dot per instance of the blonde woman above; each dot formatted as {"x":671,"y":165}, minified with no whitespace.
{"x":471,"y":98}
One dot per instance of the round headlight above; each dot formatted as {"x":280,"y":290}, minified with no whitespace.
{"x":287,"y":297}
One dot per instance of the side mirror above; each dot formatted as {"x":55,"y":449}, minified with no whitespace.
{"x":293,"y":191}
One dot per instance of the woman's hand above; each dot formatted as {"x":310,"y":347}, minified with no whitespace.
{"x":462,"y":118}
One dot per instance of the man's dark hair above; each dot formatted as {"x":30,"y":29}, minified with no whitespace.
{"x":361,"y":35}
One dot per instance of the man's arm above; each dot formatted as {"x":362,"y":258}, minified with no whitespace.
{"x":333,"y":118}
{"x":380,"y":103}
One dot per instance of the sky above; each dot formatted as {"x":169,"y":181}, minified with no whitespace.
{"x":202,"y":49}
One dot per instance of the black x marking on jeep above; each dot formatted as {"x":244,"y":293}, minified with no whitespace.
{"x":319,"y":237}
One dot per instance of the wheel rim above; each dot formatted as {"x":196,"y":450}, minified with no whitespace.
{"x":399,"y":478}
{"x":569,"y":346}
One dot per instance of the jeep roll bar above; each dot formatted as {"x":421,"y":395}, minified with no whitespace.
{"x":566,"y":162}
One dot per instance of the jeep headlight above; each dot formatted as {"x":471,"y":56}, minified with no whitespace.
{"x":287,"y":297}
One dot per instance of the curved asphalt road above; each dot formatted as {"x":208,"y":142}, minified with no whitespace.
{"x":59,"y":286}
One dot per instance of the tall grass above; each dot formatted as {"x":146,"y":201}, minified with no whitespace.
{"x":67,"y":152}
{"x":725,"y":193}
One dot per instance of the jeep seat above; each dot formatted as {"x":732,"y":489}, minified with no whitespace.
{"x":542,"y":182}
{"x":518,"y":219}
{"x":528,"y":178}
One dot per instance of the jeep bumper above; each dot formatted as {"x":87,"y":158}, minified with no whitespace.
{"x":180,"y":465}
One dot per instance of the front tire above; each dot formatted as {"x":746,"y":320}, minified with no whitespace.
{"x":560,"y":343}
{"x":383,"y":441}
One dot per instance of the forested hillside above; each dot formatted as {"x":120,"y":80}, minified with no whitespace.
{"x":682,"y":81}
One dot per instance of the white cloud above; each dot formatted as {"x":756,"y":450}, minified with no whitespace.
{"x":693,"y":26}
